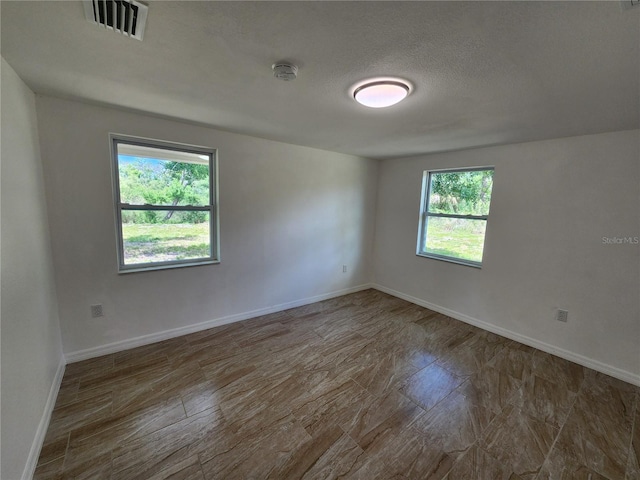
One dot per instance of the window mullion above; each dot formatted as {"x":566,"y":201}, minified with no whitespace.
{"x":177,"y":208}
{"x":453,"y":215}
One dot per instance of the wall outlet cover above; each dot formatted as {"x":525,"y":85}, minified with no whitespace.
{"x":562,"y":316}
{"x":97,"y":311}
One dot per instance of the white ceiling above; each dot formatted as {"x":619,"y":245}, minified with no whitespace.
{"x":484,"y":72}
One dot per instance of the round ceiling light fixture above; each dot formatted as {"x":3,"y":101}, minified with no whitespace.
{"x":381,"y":93}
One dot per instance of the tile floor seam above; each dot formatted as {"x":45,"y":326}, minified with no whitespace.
{"x":634,"y":426}
{"x":66,"y":451}
{"x":497,"y":458}
{"x":111,"y":463}
{"x":555,"y":440}
{"x":183,"y":407}
{"x":200,"y":465}
{"x":626,"y":466}
{"x":64,"y":456}
{"x":491,"y":455}
{"x":361,"y":386}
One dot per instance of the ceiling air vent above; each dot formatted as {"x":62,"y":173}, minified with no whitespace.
{"x":127,"y":17}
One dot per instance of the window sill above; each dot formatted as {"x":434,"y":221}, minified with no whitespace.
{"x":444,"y":258}
{"x":165,"y":266}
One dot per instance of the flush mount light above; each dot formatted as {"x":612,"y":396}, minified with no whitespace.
{"x":381,"y":93}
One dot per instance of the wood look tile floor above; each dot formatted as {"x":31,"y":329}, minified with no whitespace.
{"x":364,"y":386}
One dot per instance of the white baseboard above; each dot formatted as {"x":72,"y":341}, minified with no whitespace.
{"x":41,"y":432}
{"x":177,"y":332}
{"x":532,"y":342}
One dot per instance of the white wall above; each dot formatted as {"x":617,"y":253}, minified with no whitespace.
{"x":290,"y":217}
{"x":553,"y":201}
{"x":31,"y":345}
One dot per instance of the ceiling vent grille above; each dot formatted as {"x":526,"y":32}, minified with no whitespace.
{"x":127,"y":17}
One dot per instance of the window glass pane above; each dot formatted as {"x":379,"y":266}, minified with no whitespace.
{"x":455,"y":237}
{"x":461,"y":193}
{"x":163,"y":236}
{"x":156,"y":176}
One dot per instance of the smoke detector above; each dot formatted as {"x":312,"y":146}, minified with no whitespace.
{"x":284,"y":71}
{"x":127,"y":17}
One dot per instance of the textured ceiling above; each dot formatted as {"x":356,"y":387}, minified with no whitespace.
{"x":484,"y":72}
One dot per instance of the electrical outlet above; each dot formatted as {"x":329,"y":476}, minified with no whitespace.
{"x":97,"y":311}
{"x":562,"y":316}
{"x":344,"y":269}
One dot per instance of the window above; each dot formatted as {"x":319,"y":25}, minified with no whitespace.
{"x":454,"y":212}
{"x":166,"y":204}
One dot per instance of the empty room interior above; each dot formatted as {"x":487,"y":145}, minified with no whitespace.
{"x":320,"y":240}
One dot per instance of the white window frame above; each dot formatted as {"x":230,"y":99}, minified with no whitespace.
{"x":212,"y":207}
{"x":424,"y":217}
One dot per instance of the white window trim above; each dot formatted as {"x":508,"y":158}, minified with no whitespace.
{"x":422,"y":223}
{"x":212,"y":208}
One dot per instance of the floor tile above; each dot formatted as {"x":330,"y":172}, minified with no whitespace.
{"x":77,"y":414}
{"x":254,"y":337}
{"x":146,"y":456}
{"x":519,"y":441}
{"x":259,"y":454}
{"x":364,"y":386}
{"x":161,"y":387}
{"x":49,"y":470}
{"x":317,"y":457}
{"x":410,"y":455}
{"x":415,"y":344}
{"x":601,"y":443}
{"x":560,"y":467}
{"x":490,"y":388}
{"x":391,"y":410}
{"x":430,"y":385}
{"x":544,"y":400}
{"x":189,"y":469}
{"x":54,"y":449}
{"x":514,"y":360}
{"x":475,"y":463}
{"x":215,"y":336}
{"x":365,"y":467}
{"x":378,"y":371}
{"x":87,"y":369}
{"x":456,"y":423}
{"x":329,"y":401}
{"x":117,"y":428}
{"x":633,"y":463}
{"x":263,"y":320}
{"x":146,"y":353}
{"x":473,"y":354}
{"x":68,"y":393}
{"x":200,"y":397}
{"x":558,"y":370}
{"x":606,"y":396}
